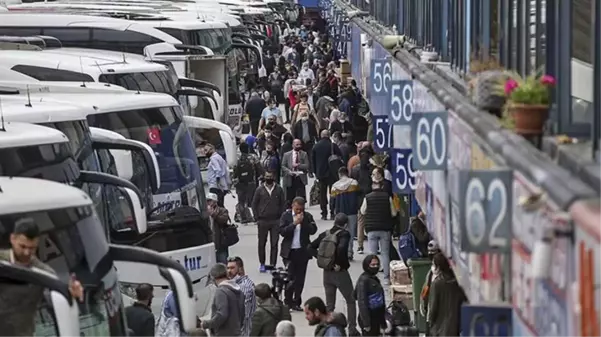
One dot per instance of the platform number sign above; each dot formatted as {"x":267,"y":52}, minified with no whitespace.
{"x":403,"y":175}
{"x":381,"y":75}
{"x":401,"y":102}
{"x":382,"y":133}
{"x":486,"y":320}
{"x":429,"y":132}
{"x":486,"y":210}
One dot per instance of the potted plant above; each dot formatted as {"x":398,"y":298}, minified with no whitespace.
{"x":528,"y":101}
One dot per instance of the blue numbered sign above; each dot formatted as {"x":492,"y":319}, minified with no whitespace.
{"x":403,"y":174}
{"x":400,"y":99}
{"x":381,"y":74}
{"x":486,"y":210}
{"x":382,"y":133}
{"x":429,"y":140}
{"x":486,"y":320}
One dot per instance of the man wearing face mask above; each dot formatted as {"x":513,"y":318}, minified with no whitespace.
{"x":218,"y":174}
{"x":267,"y":135}
{"x":271,"y":110}
{"x":370,"y":298}
{"x":269,"y":202}
{"x":305,"y":74}
{"x":341,"y":125}
{"x":433,"y":249}
{"x":295,"y":166}
{"x":221,"y":218}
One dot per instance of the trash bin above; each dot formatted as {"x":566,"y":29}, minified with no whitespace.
{"x":419,"y":271}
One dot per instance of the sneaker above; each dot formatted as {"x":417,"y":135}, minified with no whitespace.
{"x":386,"y":282}
{"x":262,"y":269}
{"x":360,"y":250}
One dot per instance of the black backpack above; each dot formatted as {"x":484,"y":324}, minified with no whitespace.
{"x":245,"y":172}
{"x":399,"y":313}
{"x":326,"y":253}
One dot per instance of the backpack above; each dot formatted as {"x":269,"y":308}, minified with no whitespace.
{"x":399,"y":313}
{"x":407,"y":247}
{"x":326,"y":253}
{"x":245,"y":172}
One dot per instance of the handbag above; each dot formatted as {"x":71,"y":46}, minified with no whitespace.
{"x":334,"y":162}
{"x":230,"y":235}
{"x":314,"y":194}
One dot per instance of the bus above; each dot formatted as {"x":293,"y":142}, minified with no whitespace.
{"x":72,"y":242}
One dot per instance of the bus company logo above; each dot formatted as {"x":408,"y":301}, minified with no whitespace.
{"x":191,"y":263}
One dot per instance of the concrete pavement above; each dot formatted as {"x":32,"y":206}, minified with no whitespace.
{"x":247,"y":250}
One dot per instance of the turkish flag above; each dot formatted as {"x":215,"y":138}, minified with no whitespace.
{"x":154,"y":136}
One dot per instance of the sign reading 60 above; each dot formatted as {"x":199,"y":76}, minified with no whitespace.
{"x":430,"y":130}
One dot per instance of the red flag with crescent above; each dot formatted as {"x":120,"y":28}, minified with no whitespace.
{"x":154,"y":136}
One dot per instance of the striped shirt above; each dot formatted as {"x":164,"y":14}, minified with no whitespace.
{"x":250,"y":302}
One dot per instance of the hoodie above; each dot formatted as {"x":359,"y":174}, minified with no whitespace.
{"x":345,"y":194}
{"x":267,"y":316}
{"x":334,"y":327}
{"x":370,"y":298}
{"x":227,"y":311}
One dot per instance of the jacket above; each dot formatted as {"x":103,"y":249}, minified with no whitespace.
{"x":297,"y":130}
{"x":20,"y":302}
{"x":378,"y":211}
{"x":140,"y":319}
{"x":288,"y":167}
{"x":320,"y":158}
{"x":254,"y":107}
{"x":335,"y":327}
{"x":344,"y":238}
{"x":267,"y":316}
{"x":444,"y":306}
{"x":227,"y":311}
{"x":368,"y":287}
{"x":346,"y":194}
{"x":220,"y":219}
{"x":307,"y":228}
{"x":268,"y":207}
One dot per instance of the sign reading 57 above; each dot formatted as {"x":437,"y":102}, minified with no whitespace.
{"x":382,"y":133}
{"x":403,"y":176}
{"x":486,"y":210}
{"x":381,"y":75}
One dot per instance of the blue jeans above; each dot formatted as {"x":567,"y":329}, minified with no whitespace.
{"x":381,"y":238}
{"x":221,"y":255}
{"x":352,"y":228}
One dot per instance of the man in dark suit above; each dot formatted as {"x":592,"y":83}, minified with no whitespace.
{"x":325,"y":168}
{"x":296,"y":228}
{"x":295,"y":166}
{"x":139,"y":316}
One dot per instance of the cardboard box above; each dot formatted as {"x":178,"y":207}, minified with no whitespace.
{"x":345,"y":67}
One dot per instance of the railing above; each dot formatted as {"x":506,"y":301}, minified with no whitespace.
{"x":561,"y":38}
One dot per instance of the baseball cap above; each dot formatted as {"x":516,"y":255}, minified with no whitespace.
{"x":213,"y":196}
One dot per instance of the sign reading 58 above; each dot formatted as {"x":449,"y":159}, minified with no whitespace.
{"x":403,"y":176}
{"x":381,"y":75}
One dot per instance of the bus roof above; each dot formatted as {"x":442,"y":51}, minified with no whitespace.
{"x":21,"y":19}
{"x":16,"y":134}
{"x":22,"y":195}
{"x":70,"y":61}
{"x":19,"y":108}
{"x":185,"y":25}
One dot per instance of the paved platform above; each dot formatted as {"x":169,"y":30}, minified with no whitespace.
{"x":247,"y":249}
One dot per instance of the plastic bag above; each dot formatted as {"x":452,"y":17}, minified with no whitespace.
{"x":314,"y":194}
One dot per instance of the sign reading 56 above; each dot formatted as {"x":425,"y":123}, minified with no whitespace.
{"x":486,"y":210}
{"x":430,"y":130}
{"x":381,"y":75}
{"x":403,"y":176}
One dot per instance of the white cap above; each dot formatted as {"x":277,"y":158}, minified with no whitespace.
{"x":212,"y":196}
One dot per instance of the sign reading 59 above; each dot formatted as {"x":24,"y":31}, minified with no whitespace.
{"x":381,"y":75}
{"x":403,"y":175}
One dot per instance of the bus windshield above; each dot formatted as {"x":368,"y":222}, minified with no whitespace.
{"x":155,"y":81}
{"x":48,"y":161}
{"x":72,"y":242}
{"x":164,"y":131}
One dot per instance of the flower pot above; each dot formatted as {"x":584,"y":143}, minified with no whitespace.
{"x":529,"y":119}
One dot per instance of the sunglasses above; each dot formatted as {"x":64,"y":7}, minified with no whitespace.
{"x":234,"y":259}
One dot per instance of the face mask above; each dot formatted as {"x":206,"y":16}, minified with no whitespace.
{"x":373,"y":270}
{"x":434,"y":270}
{"x":269,"y":181}
{"x":342,"y":120}
{"x":304,"y":118}
{"x":267,"y":134}
{"x":298,"y":148}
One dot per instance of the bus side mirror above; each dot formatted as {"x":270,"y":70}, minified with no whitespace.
{"x":65,"y":308}
{"x":138,"y":150}
{"x":138,"y":213}
{"x":141,"y":265}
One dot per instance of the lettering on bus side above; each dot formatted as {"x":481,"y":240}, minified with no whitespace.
{"x":191,"y":263}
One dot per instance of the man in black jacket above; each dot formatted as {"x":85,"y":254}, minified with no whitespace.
{"x":269,"y":202}
{"x":338,"y":278}
{"x":139,"y":316}
{"x":254,"y":108}
{"x":325,"y":170}
{"x":296,"y":228}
